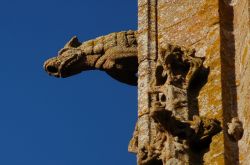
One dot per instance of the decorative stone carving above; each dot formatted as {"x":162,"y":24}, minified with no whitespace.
{"x":115,"y":53}
{"x":235,"y":129}
{"x":179,"y":131}
{"x":172,"y":127}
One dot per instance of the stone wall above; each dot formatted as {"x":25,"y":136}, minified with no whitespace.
{"x":218,"y":31}
{"x":242,"y":63}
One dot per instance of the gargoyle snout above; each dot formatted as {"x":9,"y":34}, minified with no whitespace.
{"x":51,"y":66}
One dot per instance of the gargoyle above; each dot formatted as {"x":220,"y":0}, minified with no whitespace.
{"x":115,"y":53}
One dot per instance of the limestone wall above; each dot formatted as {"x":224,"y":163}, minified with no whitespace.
{"x":217,"y":30}
{"x":242,"y":63}
{"x":195,"y":24}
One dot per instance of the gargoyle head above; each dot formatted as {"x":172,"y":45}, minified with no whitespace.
{"x":70,"y":60}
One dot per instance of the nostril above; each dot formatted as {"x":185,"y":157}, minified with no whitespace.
{"x":52,"y":69}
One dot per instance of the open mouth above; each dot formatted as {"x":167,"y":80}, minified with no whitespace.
{"x":51,"y":66}
{"x":63,"y":67}
{"x":52,"y":69}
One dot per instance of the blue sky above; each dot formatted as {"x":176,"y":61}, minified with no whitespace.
{"x":87,"y":119}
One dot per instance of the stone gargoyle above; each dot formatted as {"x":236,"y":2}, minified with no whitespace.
{"x":115,"y":53}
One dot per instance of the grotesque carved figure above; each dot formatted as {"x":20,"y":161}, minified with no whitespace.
{"x":177,"y":66}
{"x":115,"y":53}
{"x":178,"y":132}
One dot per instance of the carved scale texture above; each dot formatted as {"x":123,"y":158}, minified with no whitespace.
{"x":103,"y":43}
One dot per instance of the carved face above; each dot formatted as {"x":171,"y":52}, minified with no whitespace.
{"x":70,"y":60}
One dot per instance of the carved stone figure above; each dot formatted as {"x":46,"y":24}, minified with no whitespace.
{"x":115,"y":53}
{"x":179,"y":129}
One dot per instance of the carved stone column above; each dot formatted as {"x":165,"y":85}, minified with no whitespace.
{"x":191,"y":55}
